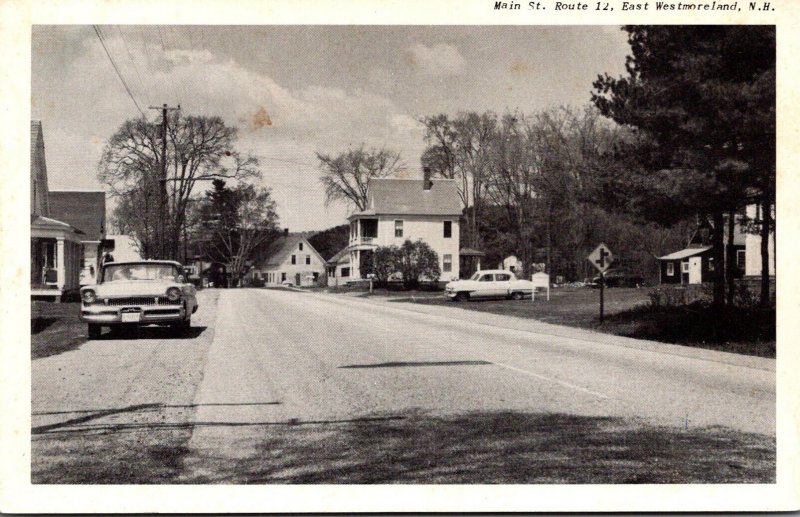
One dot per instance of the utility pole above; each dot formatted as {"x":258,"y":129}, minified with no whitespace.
{"x":162,"y":182}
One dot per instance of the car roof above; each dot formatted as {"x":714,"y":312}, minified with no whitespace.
{"x":135,"y":262}
{"x":495,"y":271}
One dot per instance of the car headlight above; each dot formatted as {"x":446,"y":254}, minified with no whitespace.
{"x":89,"y":296}
{"x":173,"y":294}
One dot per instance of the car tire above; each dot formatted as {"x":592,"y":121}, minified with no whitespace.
{"x":516,"y":295}
{"x":461,"y":297}
{"x":94,"y":331}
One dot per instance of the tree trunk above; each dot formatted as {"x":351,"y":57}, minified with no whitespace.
{"x":718,"y":241}
{"x":730,"y":263}
{"x":766,"y":222}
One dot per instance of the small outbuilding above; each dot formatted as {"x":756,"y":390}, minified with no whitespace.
{"x":687,"y":266}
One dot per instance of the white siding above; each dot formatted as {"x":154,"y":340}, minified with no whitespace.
{"x":752,"y":261}
{"x":428,"y":228}
{"x":306,"y":271}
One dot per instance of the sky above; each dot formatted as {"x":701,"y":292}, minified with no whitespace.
{"x":294,"y":91}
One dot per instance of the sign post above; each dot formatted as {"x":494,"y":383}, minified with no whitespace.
{"x":601,"y":258}
{"x":540,"y":280}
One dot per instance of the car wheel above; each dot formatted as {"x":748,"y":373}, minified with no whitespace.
{"x":462,"y":297}
{"x":516,"y":295}
{"x":94,"y":331}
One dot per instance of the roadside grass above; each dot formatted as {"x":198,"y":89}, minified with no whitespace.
{"x":498,"y":447}
{"x":142,"y":456}
{"x":412,"y":447}
{"x":628,"y":313}
{"x":55,"y":328}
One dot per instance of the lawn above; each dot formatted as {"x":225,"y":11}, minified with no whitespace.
{"x":628,"y":312}
{"x":55,"y":328}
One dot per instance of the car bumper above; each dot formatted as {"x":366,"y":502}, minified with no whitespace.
{"x":104,"y":315}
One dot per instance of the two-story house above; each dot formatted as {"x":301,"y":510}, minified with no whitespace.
{"x":288,"y":258}
{"x":408,"y":209}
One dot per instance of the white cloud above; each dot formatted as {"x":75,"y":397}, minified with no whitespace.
{"x":284,"y":127}
{"x":439,"y":60}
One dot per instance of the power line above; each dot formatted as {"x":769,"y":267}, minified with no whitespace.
{"x":130,"y":57}
{"x":122,"y":79}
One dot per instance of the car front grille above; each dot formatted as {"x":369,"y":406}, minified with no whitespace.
{"x":136,"y":300}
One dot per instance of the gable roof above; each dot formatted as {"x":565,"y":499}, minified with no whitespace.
{"x":83,"y":210}
{"x":342,"y":257}
{"x":40,"y":204}
{"x":408,"y":197}
{"x":686,"y":253}
{"x":282,"y":247}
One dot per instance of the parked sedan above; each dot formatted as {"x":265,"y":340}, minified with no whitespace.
{"x":490,"y":283}
{"x":149,"y":292}
{"x":619,"y":277}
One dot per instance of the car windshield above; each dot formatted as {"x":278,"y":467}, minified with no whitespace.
{"x":128,"y":272}
{"x":475,"y":276}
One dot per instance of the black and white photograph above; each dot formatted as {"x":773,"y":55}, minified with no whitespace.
{"x":425,"y":256}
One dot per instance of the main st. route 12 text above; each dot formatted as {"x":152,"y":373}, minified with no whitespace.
{"x":559,"y":6}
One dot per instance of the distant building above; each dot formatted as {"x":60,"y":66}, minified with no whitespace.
{"x":338,"y":268}
{"x":56,"y":250}
{"x":86,"y":211}
{"x":123,"y":248}
{"x":288,"y":258}
{"x":752,"y":248}
{"x":695,"y":264}
{"x":408,"y":209}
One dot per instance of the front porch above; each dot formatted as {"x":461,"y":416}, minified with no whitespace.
{"x":56,"y":252}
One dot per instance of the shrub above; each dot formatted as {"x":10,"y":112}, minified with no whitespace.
{"x":418,"y":262}
{"x":679,"y":295}
{"x":382,"y":264}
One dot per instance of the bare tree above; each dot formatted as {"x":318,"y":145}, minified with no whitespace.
{"x":198,"y":148}
{"x":459,"y":149}
{"x":346,"y":176}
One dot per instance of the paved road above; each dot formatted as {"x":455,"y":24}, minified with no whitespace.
{"x":268,"y":357}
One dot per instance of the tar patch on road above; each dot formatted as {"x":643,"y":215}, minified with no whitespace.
{"x":399,"y":364}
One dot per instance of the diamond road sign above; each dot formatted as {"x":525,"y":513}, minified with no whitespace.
{"x":601,"y":258}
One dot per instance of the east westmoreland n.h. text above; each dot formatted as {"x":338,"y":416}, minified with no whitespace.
{"x":637,"y":6}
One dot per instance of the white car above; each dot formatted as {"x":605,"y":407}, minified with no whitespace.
{"x":139,"y":293}
{"x":489,"y":283}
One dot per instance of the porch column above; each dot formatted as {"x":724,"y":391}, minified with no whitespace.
{"x":479,"y":264}
{"x":60,"y":265}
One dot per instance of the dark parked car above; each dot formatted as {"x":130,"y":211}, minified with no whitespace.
{"x":618,"y":277}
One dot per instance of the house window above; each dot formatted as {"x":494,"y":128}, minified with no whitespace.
{"x":740,"y":258}
{"x":294,"y":259}
{"x":670,"y":269}
{"x":308,"y":259}
{"x":398,"y":228}
{"x":301,"y":246}
{"x":448,"y":229}
{"x":711,"y":264}
{"x":685,"y":267}
{"x":447,"y":263}
{"x":345,"y":272}
{"x":283,"y":277}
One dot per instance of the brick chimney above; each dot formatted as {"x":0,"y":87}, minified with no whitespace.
{"x":426,"y":178}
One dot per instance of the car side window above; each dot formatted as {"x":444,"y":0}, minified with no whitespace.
{"x":486,"y":278}
{"x":502,"y":278}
